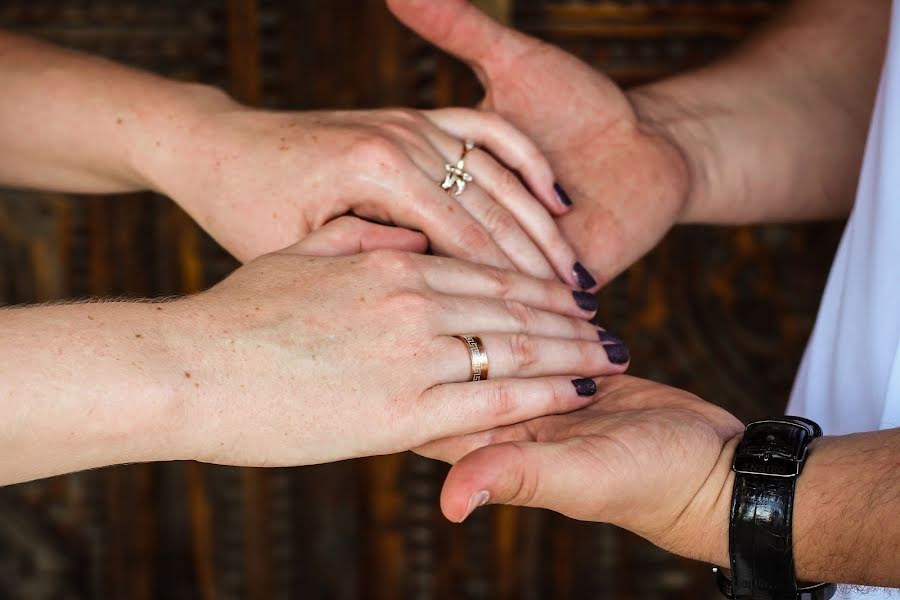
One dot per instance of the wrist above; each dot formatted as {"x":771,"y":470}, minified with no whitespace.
{"x":193,"y":374}
{"x":701,"y":530}
{"x":141,"y":407}
{"x":716,"y":538}
{"x":663,"y":117}
{"x":166,"y":139}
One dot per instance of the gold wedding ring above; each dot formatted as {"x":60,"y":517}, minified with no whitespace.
{"x":478,"y":359}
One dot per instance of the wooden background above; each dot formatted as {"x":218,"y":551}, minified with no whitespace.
{"x":724,"y":313}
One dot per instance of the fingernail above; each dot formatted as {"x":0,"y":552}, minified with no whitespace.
{"x":478,"y":499}
{"x":618,"y":354}
{"x":586,"y":301}
{"x":607,"y":337}
{"x":562,"y":195}
{"x":584,"y":278}
{"x":585,"y":386}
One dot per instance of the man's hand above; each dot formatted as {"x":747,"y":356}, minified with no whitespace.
{"x":650,"y":458}
{"x":627,"y":183}
{"x":657,"y":461}
{"x":747,"y":139}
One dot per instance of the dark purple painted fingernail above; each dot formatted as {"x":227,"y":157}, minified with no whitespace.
{"x":586,"y":301}
{"x":562,"y":195}
{"x":618,"y":354}
{"x":585,"y":386}
{"x":608,"y":338}
{"x":585,"y":279}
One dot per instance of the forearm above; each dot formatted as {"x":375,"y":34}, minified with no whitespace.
{"x":88,"y":385}
{"x":846,"y":528}
{"x":73,"y":122}
{"x":776,"y":131}
{"x":845,"y":525}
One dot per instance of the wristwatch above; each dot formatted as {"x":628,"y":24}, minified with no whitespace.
{"x":766,"y":464}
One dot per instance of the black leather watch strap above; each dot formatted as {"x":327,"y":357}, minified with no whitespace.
{"x":767,"y":462}
{"x":814,"y":591}
{"x":762,"y":563}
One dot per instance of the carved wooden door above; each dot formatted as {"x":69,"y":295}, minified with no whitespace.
{"x":724,"y":313}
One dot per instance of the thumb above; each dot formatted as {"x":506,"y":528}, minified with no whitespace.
{"x":533,"y":474}
{"x":462,"y":30}
{"x":350,"y":235}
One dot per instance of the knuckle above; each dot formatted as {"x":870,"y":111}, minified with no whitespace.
{"x":525,"y":485}
{"x":507,"y":182}
{"x":501,"y":402}
{"x":523,"y":315}
{"x":533,"y":156}
{"x":499,"y":220}
{"x":553,"y":396}
{"x":523,"y":351}
{"x":472,"y":237}
{"x":409,"y":116}
{"x":402,"y":132}
{"x":389,"y":261}
{"x":588,"y":356}
{"x":499,"y":282}
{"x":375,"y":149}
{"x":492,"y":120}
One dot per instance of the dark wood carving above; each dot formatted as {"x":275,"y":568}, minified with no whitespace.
{"x":724,"y":313}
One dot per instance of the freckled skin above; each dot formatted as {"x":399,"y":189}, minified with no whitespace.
{"x":313,"y":167}
{"x":319,"y":357}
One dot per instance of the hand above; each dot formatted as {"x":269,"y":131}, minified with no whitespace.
{"x":650,"y":458}
{"x":297,"y":359}
{"x":259,"y":181}
{"x":628,"y":184}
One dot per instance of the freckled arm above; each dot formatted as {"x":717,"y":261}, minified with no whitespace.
{"x":77,"y":123}
{"x":89,"y":385}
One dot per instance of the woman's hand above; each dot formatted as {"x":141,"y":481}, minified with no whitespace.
{"x":259,"y":181}
{"x":296,"y":360}
{"x":644,"y":456}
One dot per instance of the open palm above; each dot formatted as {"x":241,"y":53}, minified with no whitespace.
{"x":644,"y":456}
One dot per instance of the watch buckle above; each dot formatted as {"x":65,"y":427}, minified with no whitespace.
{"x":769,"y":464}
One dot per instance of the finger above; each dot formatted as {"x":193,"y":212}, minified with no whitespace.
{"x":486,"y":315}
{"x":451,"y":449}
{"x":460,"y":408}
{"x":350,"y":235}
{"x":503,"y":187}
{"x":506,"y":230}
{"x":459,"y":278}
{"x":506,"y":189}
{"x":514,"y":149}
{"x":410,"y":198}
{"x":521,"y":355}
{"x":462,"y":30}
{"x":537,"y":474}
{"x":505,"y":226}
